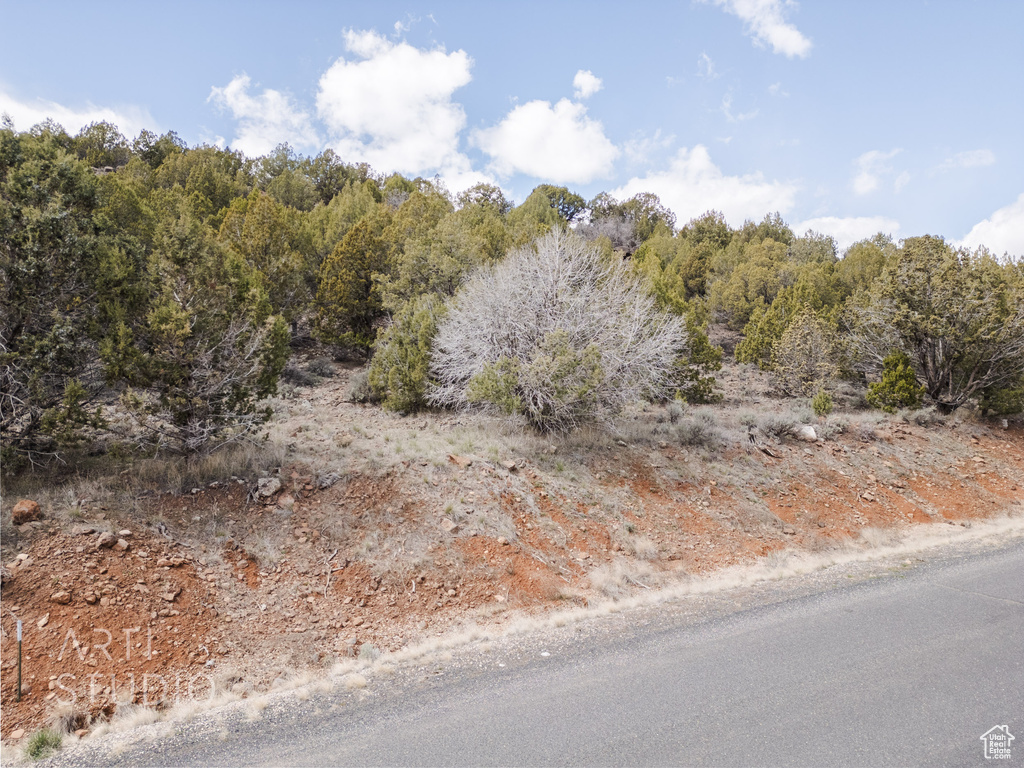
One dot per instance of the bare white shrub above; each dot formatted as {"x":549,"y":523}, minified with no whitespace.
{"x":544,"y":305}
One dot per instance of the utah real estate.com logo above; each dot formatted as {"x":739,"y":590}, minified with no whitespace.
{"x":997,"y":743}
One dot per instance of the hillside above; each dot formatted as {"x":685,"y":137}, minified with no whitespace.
{"x":354,"y":531}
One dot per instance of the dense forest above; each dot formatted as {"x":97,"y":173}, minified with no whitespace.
{"x":170,"y":285}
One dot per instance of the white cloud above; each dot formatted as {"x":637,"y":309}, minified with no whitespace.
{"x":847,"y":230}
{"x":975,"y":158}
{"x":264,"y":120}
{"x":727,"y":111}
{"x":871,"y":168}
{"x":129,"y":120}
{"x":641,"y":148}
{"x":392,"y":106}
{"x":1002,"y":232}
{"x":693,"y":184}
{"x":557,"y":143}
{"x":586,"y":84}
{"x":706,"y":67}
{"x":775,"y":89}
{"x":764,"y":21}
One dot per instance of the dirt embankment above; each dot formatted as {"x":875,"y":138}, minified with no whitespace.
{"x":388,"y":531}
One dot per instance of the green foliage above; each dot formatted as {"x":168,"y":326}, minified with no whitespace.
{"x":261,"y":231}
{"x":822,"y":403}
{"x":102,"y":145}
{"x":556,"y":390}
{"x":1003,"y":401}
{"x":64,"y":281}
{"x":43,"y":743}
{"x":898,"y":387}
{"x":754,"y":281}
{"x":348,"y":300}
{"x":534,"y":218}
{"x":864,"y":262}
{"x":207,"y":350}
{"x":958,"y":317}
{"x":401,"y":365}
{"x":694,"y":368}
{"x":568,"y":204}
{"x":762,"y":333}
{"x":804,"y":357}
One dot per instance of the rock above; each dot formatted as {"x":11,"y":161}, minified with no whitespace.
{"x":25,"y":511}
{"x":5,"y":576}
{"x":267,"y":487}
{"x":509,"y":465}
{"x":451,"y":593}
{"x":805,"y":432}
{"x":789,"y":530}
{"x":286,"y":501}
{"x":125,"y":534}
{"x":91,"y":598}
{"x":106,"y":540}
{"x":82,"y":530}
{"x":82,"y":733}
{"x":329,"y":480}
{"x":43,"y":621}
{"x":17,"y":734}
{"x":460,"y":461}
{"x":61,"y":598}
{"x":449,"y":526}
{"x":503,"y":541}
{"x":170,"y":594}
{"x":122,"y":545}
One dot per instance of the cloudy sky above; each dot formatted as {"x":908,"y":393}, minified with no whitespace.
{"x":846,"y":116}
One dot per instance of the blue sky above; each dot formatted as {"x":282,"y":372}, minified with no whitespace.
{"x":848,"y":117}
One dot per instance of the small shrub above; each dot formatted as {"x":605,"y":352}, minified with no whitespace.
{"x":699,"y":430}
{"x":1006,"y":401}
{"x":43,"y":743}
{"x":832,"y":426}
{"x":822,"y":403}
{"x":674,"y":411}
{"x":320,"y":366}
{"x":368,"y":652}
{"x":399,"y":371}
{"x":926,"y":417}
{"x":359,"y":389}
{"x":898,"y":387}
{"x":777,"y":424}
{"x":297,"y":376}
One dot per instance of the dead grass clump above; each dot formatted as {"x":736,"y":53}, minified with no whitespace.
{"x":924,"y":417}
{"x":635,"y":544}
{"x":621,"y":578}
{"x":181,"y":474}
{"x":832,"y":426}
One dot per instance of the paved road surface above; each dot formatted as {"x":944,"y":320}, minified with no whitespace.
{"x":909,"y":668}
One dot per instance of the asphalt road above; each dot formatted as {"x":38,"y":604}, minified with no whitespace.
{"x":903,"y":668}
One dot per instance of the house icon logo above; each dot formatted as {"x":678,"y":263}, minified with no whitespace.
{"x":997,"y":743}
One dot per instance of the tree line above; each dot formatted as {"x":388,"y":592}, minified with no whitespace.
{"x":172,"y":282}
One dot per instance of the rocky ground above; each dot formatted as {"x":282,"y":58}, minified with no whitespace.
{"x":369,"y":532}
